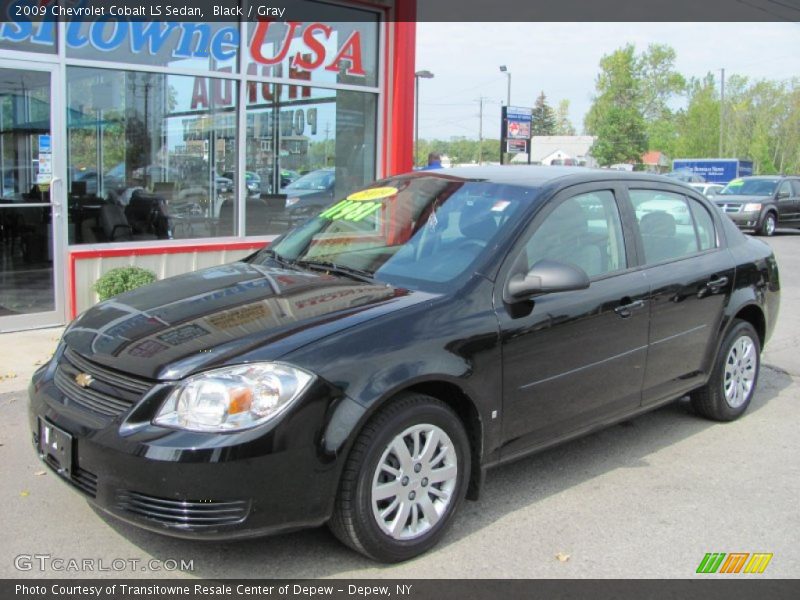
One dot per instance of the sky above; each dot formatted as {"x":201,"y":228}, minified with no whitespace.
{"x":562,"y":59}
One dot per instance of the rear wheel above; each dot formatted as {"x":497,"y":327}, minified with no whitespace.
{"x":733,"y":381}
{"x":769,"y":225}
{"x":404,"y":480}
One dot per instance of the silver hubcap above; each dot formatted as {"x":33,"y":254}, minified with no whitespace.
{"x":414,"y":482}
{"x":740,"y":371}
{"x":769,"y":226}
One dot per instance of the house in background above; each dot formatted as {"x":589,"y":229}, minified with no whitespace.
{"x":559,"y":150}
{"x":656,"y":162}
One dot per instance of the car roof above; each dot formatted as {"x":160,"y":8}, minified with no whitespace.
{"x":539,"y":175}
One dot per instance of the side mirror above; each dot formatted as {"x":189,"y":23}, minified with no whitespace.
{"x":782,"y":195}
{"x":546,"y":276}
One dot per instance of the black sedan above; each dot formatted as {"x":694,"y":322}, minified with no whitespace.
{"x":368,"y":367}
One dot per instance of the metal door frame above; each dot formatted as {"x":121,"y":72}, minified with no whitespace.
{"x":58,"y":203}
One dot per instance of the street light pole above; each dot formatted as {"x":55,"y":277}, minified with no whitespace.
{"x":504,"y":69}
{"x":417,"y":76}
{"x":721,"y":110}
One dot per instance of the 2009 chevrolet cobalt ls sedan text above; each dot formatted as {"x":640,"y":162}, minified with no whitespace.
{"x":369,"y":366}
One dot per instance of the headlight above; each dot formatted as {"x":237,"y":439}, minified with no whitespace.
{"x":752,"y":207}
{"x":291,"y":201}
{"x":233,"y":398}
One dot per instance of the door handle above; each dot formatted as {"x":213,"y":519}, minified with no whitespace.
{"x":626,"y":310}
{"x":55,"y":196}
{"x":717,"y":283}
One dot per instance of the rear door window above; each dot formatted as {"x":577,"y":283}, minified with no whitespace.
{"x":667,"y":225}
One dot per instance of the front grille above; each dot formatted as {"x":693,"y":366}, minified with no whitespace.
{"x":115,"y":378}
{"x":101,"y":403}
{"x":86,"y":481}
{"x":80,"y":478}
{"x":183,"y":513}
{"x":109,"y":394}
{"x":731,"y":208}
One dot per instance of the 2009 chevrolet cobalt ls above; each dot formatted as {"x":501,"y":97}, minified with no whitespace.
{"x":366,"y":368}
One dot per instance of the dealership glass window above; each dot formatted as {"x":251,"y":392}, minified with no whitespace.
{"x":340,"y":46}
{"x":26,"y":232}
{"x":145,"y":155}
{"x":181,"y":45}
{"x":28,"y":36}
{"x":305,"y":147}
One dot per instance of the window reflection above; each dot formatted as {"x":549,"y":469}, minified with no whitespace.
{"x":147,"y":155}
{"x":305,"y":147}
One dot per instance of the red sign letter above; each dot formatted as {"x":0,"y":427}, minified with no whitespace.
{"x":314,"y":45}
{"x":258,"y":40}
{"x":350,"y":51}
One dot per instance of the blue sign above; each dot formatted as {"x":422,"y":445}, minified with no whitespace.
{"x":715,"y":170}
{"x":183,"y":40}
{"x":44,"y":144}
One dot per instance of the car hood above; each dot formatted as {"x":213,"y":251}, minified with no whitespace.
{"x":215,"y":316}
{"x":300,"y":193}
{"x":736,"y":199}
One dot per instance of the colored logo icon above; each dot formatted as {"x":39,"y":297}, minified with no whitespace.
{"x":735,"y":562}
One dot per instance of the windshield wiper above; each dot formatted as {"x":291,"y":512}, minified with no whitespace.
{"x":281,"y":260}
{"x":330,"y":267}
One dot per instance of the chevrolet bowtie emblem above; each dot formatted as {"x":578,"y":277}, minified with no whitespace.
{"x":84,"y":379}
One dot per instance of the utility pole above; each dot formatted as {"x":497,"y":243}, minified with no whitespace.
{"x":327,"y":131}
{"x":721,"y":109}
{"x":417,"y":76}
{"x":480,"y":131}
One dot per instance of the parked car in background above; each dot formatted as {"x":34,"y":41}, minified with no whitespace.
{"x":762,"y":203}
{"x":308,"y":195}
{"x":367,"y":368}
{"x":251,"y":178}
{"x":709,"y":190}
{"x":288,"y":176}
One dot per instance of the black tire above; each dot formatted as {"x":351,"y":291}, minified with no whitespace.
{"x":768,"y":225}
{"x":710,"y":401}
{"x":353,"y":521}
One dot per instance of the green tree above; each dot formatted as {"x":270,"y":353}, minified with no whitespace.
{"x":698,"y":124}
{"x":659,"y":83}
{"x":543,"y":118}
{"x":563,"y":125}
{"x":615,"y":116}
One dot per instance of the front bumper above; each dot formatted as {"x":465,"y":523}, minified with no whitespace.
{"x":216,"y":486}
{"x":746,"y":220}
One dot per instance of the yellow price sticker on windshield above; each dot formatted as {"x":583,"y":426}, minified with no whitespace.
{"x":377,"y":193}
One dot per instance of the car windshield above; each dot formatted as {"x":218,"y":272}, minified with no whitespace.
{"x":750,"y":187}
{"x":316,"y":180}
{"x":413,"y":231}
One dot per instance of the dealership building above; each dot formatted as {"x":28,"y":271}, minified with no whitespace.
{"x":180,"y":145}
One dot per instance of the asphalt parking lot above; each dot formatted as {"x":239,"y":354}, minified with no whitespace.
{"x":644,"y":499}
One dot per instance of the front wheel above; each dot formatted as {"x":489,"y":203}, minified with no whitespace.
{"x":733,"y":380}
{"x":769,"y":225}
{"x":403,"y":481}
